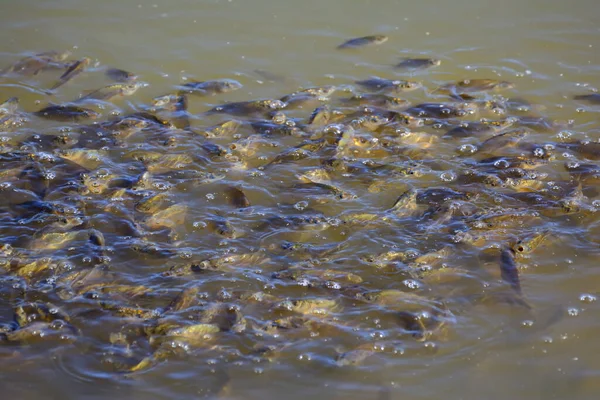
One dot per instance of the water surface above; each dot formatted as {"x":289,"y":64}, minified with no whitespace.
{"x":549,"y":50}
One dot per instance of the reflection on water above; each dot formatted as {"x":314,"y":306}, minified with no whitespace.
{"x":123,"y":285}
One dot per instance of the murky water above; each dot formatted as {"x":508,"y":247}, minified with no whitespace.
{"x":542,"y":345}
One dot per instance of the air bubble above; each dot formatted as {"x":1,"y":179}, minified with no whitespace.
{"x":303,"y":282}
{"x":448,"y":176}
{"x":467,"y":149}
{"x":411,"y":283}
{"x":539,"y":152}
{"x":564,"y":135}
{"x":301,"y":205}
{"x":333,"y":285}
{"x":200,"y":224}
{"x":573,"y":312}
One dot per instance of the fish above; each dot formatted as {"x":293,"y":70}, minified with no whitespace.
{"x":108,"y":92}
{"x":418,"y":63}
{"x":74,"y":69}
{"x":120,"y":75}
{"x":237,"y":197}
{"x":509,"y":271}
{"x":33,"y":65}
{"x":372,"y":40}
{"x":211,"y":88}
{"x":66,"y":113}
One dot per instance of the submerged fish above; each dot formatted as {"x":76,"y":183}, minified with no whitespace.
{"x":66,"y":113}
{"x":371,"y":40}
{"x":119,"y":75}
{"x":211,"y":88}
{"x":108,"y":92}
{"x":593,"y":98}
{"x":75,"y":69}
{"x":32,"y":65}
{"x":418,"y":63}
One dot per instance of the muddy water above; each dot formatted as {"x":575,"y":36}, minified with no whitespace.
{"x":490,"y":349}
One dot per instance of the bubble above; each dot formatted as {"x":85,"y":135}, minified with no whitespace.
{"x":539,"y":152}
{"x":467,"y":149}
{"x":411,"y":283}
{"x":527,"y":323}
{"x":573,"y":164}
{"x":564,"y":135}
{"x":333,"y":285}
{"x":301,"y":205}
{"x":501,"y":164}
{"x":185,"y":254}
{"x":573,"y":312}
{"x":378,"y":335}
{"x":224,"y":295}
{"x":303,"y":282}
{"x":448,"y":176}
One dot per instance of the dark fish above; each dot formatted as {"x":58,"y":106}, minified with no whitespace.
{"x":248,"y":108}
{"x":226,"y":128}
{"x":297,"y":153}
{"x":593,"y":98}
{"x":75,"y":69}
{"x":388,"y":84}
{"x":363,"y":41}
{"x":503,"y":141}
{"x":269,"y":76}
{"x":211,"y":88}
{"x":479,"y":129}
{"x":438,"y":110}
{"x":34,"y":64}
{"x":320,"y":116}
{"x":413,"y":324}
{"x":418,"y":63}
{"x":509,"y":271}
{"x":171,"y":102}
{"x":376,"y":100}
{"x":221,"y":226}
{"x":237,"y":197}
{"x":149,"y":118}
{"x":587,"y":149}
{"x":9,"y":107}
{"x":97,"y":238}
{"x":474,"y":86}
{"x":119,"y":75}
{"x":108,"y":92}
{"x":66,"y":113}
{"x":406,"y":203}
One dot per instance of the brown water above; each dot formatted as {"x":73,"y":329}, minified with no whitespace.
{"x":491,"y":350}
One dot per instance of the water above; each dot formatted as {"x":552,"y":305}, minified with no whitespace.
{"x":548,"y":49}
